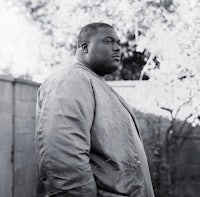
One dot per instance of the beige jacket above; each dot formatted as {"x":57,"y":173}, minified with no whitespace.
{"x":84,"y":140}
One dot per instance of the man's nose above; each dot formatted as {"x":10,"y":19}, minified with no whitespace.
{"x":116,"y":47}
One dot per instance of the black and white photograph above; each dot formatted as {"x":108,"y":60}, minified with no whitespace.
{"x":100,"y":98}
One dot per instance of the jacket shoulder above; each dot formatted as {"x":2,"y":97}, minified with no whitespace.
{"x":71,"y":74}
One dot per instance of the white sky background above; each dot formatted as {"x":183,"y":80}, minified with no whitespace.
{"x":21,"y":44}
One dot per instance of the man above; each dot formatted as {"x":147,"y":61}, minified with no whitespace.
{"x":87,"y":138}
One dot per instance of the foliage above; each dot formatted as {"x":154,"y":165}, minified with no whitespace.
{"x":158,"y":37}
{"x":53,"y":18}
{"x":176,"y":42}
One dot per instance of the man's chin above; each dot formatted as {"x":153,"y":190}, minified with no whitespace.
{"x":113,"y":68}
{"x":116,"y":64}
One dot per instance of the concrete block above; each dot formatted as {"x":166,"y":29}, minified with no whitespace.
{"x":24,"y":159}
{"x":25,"y":125}
{"x":6,"y":143}
{"x":5,"y":162}
{"x":189,"y":172}
{"x":191,"y":157}
{"x":186,"y":157}
{"x":25,"y":190}
{"x":6,"y":193}
{"x":187,"y":189}
{"x":25,"y":92}
{"x":5,"y":181}
{"x":25,"y":108}
{"x":6,"y":107}
{"x":5,"y":172}
{"x":6,"y":88}
{"x":191,"y":144}
{"x":24,"y":142}
{"x":25,"y":175}
{"x":6,"y":127}
{"x":188,"y":153}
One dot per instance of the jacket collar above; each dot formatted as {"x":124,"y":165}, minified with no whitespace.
{"x":88,"y":69}
{"x":124,"y":103}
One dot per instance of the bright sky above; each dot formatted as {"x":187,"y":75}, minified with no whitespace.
{"x":20,"y":41}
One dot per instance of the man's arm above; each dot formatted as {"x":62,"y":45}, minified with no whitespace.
{"x":63,"y":139}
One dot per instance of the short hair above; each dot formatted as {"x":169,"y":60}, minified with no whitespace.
{"x":89,"y":30}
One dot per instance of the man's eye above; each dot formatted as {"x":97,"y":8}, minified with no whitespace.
{"x":108,"y":41}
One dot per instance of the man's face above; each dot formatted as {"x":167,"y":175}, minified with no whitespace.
{"x":104,"y":51}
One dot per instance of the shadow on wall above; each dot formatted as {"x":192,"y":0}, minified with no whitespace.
{"x":173,"y":155}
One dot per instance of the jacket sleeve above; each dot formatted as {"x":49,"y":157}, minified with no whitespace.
{"x":63,"y":139}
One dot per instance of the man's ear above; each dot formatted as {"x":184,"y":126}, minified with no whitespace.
{"x":84,"y":47}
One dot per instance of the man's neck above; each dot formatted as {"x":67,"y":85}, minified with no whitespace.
{"x":83,"y":63}
{"x":89,"y":68}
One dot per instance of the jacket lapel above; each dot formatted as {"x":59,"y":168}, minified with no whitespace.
{"x":130,"y":110}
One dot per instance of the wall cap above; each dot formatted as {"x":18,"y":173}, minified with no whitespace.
{"x":25,"y":81}
{"x":6,"y":78}
{"x":9,"y":78}
{"x":125,"y":83}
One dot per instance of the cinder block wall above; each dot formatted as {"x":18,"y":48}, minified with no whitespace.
{"x":24,"y":136}
{"x":6,"y":136}
{"x":17,"y":131}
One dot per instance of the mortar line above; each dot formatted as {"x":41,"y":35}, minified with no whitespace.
{"x":13,"y":137}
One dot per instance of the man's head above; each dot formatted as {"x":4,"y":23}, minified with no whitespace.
{"x":99,"y":48}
